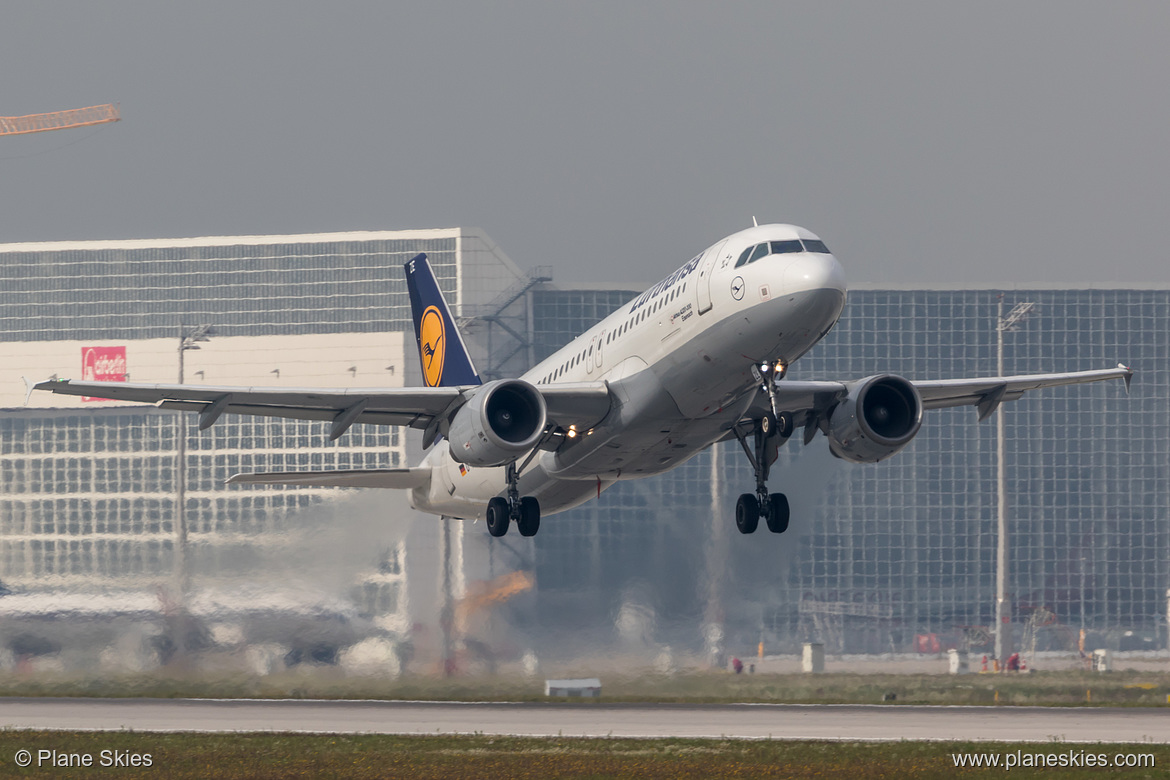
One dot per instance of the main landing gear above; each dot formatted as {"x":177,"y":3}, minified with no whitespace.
{"x":502,"y":511}
{"x":770,"y":432}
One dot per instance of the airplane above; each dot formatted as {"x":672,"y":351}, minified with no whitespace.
{"x":699,"y":358}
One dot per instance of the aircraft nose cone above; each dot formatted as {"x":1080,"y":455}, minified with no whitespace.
{"x":814,"y":271}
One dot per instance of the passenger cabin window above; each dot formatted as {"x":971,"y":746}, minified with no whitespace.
{"x":815,"y":246}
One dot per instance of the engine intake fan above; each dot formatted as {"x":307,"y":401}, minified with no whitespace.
{"x":878,"y":419}
{"x":503,"y":420}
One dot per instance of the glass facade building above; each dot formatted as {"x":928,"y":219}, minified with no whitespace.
{"x":878,"y":554}
{"x":246,"y":285}
{"x":89,"y":498}
{"x":88,"y":495}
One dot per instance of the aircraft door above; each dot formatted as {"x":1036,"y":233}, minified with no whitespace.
{"x":589,"y":356}
{"x":706,"y":271}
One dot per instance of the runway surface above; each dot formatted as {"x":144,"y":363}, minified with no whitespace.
{"x":745,"y":721}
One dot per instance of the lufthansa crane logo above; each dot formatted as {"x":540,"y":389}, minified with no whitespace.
{"x":432,"y":345}
{"x":737,"y":288}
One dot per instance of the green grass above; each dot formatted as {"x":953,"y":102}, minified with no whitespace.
{"x":261,"y":756}
{"x":1042,"y":688}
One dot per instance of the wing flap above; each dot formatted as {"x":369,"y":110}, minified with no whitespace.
{"x":374,"y":417}
{"x":401,"y":479}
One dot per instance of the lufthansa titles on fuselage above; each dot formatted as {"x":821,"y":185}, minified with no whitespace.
{"x":665,"y":284}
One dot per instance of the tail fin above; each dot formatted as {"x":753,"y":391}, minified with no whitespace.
{"x":445,"y":361}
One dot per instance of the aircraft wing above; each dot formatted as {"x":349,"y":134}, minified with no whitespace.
{"x":987,"y":394}
{"x":810,"y":402}
{"x":378,"y":478}
{"x":583,"y":404}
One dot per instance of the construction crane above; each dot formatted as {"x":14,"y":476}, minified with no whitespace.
{"x":59,"y":120}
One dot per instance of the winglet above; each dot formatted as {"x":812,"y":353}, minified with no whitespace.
{"x":1128,"y":375}
{"x":445,"y":362}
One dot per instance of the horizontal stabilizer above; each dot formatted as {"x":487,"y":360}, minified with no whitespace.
{"x":402,"y":479}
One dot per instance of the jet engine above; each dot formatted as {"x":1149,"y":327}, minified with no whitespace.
{"x":501,"y":422}
{"x":877,"y":419}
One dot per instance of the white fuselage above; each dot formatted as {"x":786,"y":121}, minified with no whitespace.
{"x":678,"y":360}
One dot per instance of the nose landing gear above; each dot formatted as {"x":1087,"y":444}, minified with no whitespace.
{"x":770,"y":432}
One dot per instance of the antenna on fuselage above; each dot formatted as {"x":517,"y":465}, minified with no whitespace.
{"x":754,"y":223}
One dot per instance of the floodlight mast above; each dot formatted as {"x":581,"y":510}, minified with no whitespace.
{"x":1003,"y":611}
{"x":189,"y":338}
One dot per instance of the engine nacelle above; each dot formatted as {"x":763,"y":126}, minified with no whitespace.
{"x":502,"y":421}
{"x":878,"y":419}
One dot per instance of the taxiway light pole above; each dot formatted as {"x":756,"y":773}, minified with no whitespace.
{"x":1003,"y":611}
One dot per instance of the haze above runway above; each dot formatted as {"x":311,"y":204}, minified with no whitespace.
{"x":746,"y":721}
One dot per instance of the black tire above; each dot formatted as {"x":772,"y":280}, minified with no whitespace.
{"x":778,"y":513}
{"x":529,"y":522}
{"x":497,"y":517}
{"x":747,"y":513}
{"x":785,"y":425}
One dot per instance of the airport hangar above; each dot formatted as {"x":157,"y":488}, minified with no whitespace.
{"x":877,"y":557}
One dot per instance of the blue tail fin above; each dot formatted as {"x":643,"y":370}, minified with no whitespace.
{"x":445,"y":361}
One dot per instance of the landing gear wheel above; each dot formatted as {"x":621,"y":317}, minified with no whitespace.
{"x":497,"y":517}
{"x":529,"y":522}
{"x":768,"y":425}
{"x":747,"y":513}
{"x":777,"y":517}
{"x":785,"y":425}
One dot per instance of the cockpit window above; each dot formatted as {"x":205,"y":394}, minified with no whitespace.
{"x":754,"y":253}
{"x":785,"y":247}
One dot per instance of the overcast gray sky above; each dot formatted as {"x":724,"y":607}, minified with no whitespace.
{"x":978,"y":143}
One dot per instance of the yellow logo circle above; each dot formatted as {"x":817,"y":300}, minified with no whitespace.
{"x":432,"y":345}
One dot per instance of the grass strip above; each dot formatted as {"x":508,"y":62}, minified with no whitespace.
{"x":1141,"y":689}
{"x":263,"y":756}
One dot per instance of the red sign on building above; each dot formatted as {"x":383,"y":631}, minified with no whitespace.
{"x":103,"y":364}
